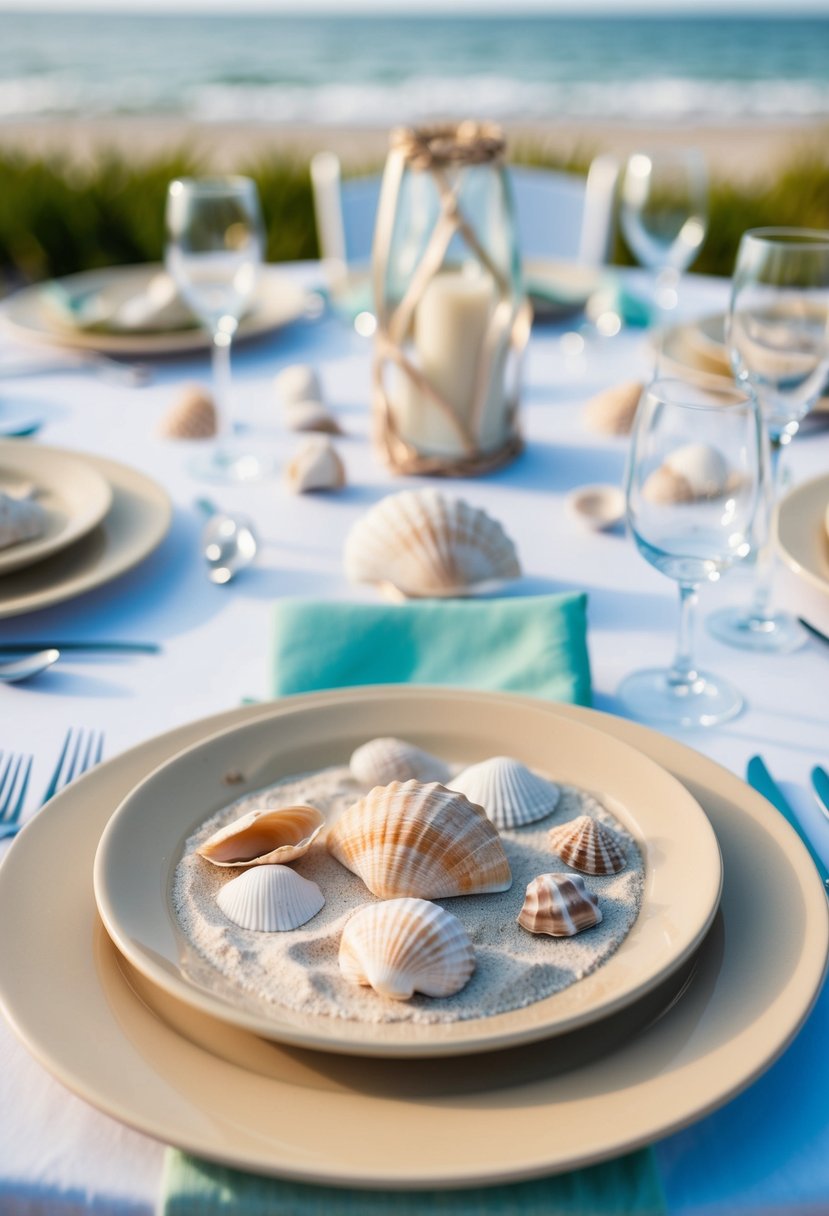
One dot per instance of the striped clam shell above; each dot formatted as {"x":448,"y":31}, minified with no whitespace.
{"x":402,"y":946}
{"x":510,"y":793}
{"x":587,"y":845}
{"x":408,"y":838}
{"x":264,"y":837}
{"x":560,"y":905}
{"x":383,"y":760}
{"x":270,"y":899}
{"x":422,"y":544}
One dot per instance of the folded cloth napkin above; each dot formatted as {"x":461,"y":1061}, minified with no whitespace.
{"x":535,"y":645}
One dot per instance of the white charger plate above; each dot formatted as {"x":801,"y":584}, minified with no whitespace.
{"x":803,"y":544}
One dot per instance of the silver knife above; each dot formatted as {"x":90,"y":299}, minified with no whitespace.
{"x":820,"y":781}
{"x":92,"y":647}
{"x":760,"y":779}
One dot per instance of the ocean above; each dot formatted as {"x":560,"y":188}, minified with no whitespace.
{"x":365,"y":71}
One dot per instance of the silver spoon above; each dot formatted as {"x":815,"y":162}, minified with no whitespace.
{"x":229,"y":542}
{"x":30,"y":665}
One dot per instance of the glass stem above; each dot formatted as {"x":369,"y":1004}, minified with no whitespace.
{"x":682,"y":673}
{"x":221,"y":384}
{"x":764,"y":577}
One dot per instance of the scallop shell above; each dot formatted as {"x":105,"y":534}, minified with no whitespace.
{"x":310,"y":415}
{"x":264,"y":837}
{"x":424,"y":544}
{"x":422,"y":840}
{"x":381,"y":761}
{"x":692,"y":471}
{"x":560,"y":905}
{"x":510,"y":793}
{"x":403,"y":946}
{"x":587,"y":845}
{"x":316,"y":466}
{"x":191,"y":416}
{"x":270,"y":899}
{"x":298,"y":382}
{"x":612,"y":411}
{"x":20,"y":519}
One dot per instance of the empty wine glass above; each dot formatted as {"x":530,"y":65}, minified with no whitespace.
{"x":692,"y":485}
{"x":777,"y":334}
{"x":664,"y":204}
{"x":215,"y":244}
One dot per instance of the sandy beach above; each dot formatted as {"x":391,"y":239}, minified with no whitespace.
{"x":739,"y":151}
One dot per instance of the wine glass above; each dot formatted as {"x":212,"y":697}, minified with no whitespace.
{"x":692,"y":485}
{"x":664,"y":205}
{"x":777,"y":335}
{"x":215,"y":244}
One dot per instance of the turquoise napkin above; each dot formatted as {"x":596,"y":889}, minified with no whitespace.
{"x":536,"y":645}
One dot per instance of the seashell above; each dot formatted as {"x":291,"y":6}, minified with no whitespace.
{"x":270,"y":899}
{"x":264,"y":837}
{"x":316,"y":466}
{"x":587,"y":845}
{"x":381,"y":761}
{"x":424,"y":544}
{"x":310,"y":415}
{"x":560,"y":905}
{"x":693,"y":471}
{"x":191,"y":416}
{"x":407,"y":838}
{"x":612,"y":411}
{"x":510,"y":793}
{"x":298,"y":382}
{"x":596,"y":507}
{"x":403,"y":946}
{"x":20,"y":519}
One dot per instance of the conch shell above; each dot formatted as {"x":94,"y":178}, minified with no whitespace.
{"x":270,"y":899}
{"x":383,"y":760}
{"x":264,"y":837}
{"x":510,"y":793}
{"x":403,"y":946}
{"x":692,"y":471}
{"x":612,"y":412}
{"x":315,"y":466}
{"x":421,"y":544}
{"x":560,"y":905}
{"x":587,"y":845}
{"x":420,"y":840}
{"x":191,"y":416}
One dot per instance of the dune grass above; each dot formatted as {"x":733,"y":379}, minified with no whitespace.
{"x":57,"y":217}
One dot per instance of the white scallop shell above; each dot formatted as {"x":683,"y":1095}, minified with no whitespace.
{"x":510,"y":793}
{"x":421,"y":840}
{"x":587,"y":845}
{"x":612,"y":412}
{"x":424,"y":544}
{"x":191,"y":416}
{"x":315,"y":466}
{"x":20,"y":519}
{"x":560,"y":905}
{"x":298,"y":382}
{"x":262,"y":838}
{"x":402,"y":946}
{"x":270,"y":899}
{"x":310,"y":415}
{"x":381,"y":761}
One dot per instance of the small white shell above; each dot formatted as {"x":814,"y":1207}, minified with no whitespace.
{"x":316,"y":466}
{"x":596,"y":507}
{"x":692,"y":471}
{"x":264,"y":837}
{"x":381,"y":761}
{"x":587,"y":845}
{"x":612,"y":411}
{"x":310,"y":415}
{"x":510,"y":793}
{"x":191,"y":416}
{"x":424,"y":544}
{"x":270,"y":899}
{"x":402,"y":946}
{"x":298,"y":382}
{"x":20,"y":519}
{"x":560,"y":905}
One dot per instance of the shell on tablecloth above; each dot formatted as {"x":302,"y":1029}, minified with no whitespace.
{"x":409,"y":838}
{"x":264,"y":837}
{"x":20,"y":519}
{"x":510,"y":793}
{"x":315,"y":466}
{"x":690,"y":472}
{"x":587,"y":845}
{"x":310,"y":416}
{"x":297,"y":382}
{"x":422,"y":544}
{"x":403,"y":946}
{"x":191,"y":416}
{"x":612,"y":411}
{"x":559,"y":905}
{"x":383,"y":760}
{"x":270,"y":899}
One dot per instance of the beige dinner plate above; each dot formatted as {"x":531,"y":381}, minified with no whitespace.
{"x":145,"y":839}
{"x":30,"y":314}
{"x":803,"y":543}
{"x":135,"y":524}
{"x":325,"y":1118}
{"x":73,"y":493}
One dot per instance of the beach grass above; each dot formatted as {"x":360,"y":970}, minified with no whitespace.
{"x":58,"y":217}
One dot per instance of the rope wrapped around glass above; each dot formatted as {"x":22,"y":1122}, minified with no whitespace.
{"x":452,"y":318}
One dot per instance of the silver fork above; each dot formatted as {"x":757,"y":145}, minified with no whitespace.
{"x":81,"y":750}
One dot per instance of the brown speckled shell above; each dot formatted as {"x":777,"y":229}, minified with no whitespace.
{"x":559,"y":905}
{"x":191,"y":416}
{"x":587,"y":845}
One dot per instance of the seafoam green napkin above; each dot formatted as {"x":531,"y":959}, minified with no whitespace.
{"x":535,"y":645}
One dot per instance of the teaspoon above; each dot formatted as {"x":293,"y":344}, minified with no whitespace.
{"x":30,"y":665}
{"x":229,"y":542}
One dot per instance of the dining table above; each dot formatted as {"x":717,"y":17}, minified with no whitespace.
{"x":765,"y":1151}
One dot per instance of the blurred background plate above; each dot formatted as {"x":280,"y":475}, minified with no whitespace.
{"x":803,"y":543}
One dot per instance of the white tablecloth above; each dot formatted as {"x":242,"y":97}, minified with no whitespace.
{"x":768,"y":1151}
